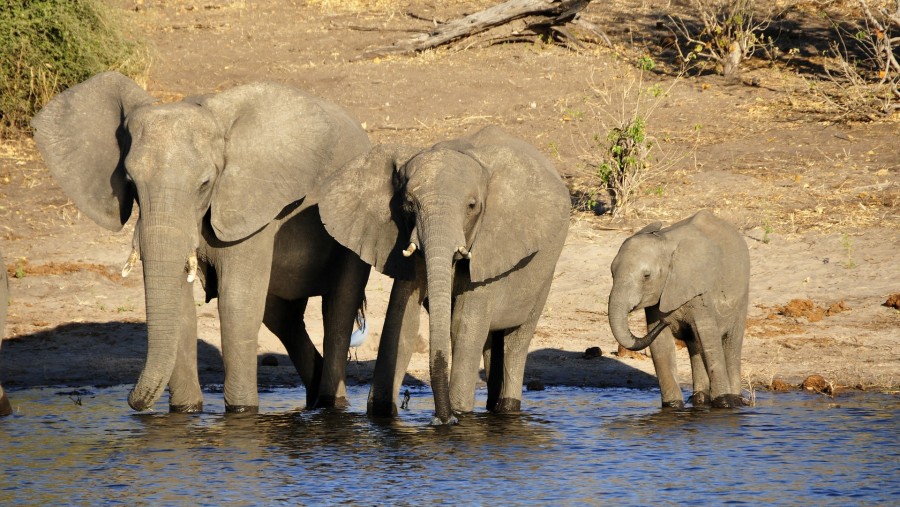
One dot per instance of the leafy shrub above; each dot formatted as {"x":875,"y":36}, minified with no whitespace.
{"x":47,"y":46}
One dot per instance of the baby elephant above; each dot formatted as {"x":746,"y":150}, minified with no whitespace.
{"x":692,"y":280}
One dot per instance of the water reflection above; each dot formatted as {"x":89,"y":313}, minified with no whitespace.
{"x":570,"y":446}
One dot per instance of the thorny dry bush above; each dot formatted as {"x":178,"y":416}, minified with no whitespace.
{"x":864,"y":76}
{"x":729,"y":33}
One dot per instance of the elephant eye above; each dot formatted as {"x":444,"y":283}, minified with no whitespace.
{"x":646,"y":275}
{"x":472,"y":204}
{"x":204,"y":183}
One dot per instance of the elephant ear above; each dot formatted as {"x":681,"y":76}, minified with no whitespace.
{"x":650,"y":228}
{"x":361,"y":207}
{"x":526,"y":206}
{"x":692,"y":272}
{"x":82,"y":136}
{"x":278,"y":142}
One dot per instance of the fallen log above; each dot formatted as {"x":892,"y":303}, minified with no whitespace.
{"x":555,"y":13}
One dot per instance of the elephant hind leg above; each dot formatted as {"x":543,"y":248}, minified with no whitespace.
{"x":340,"y":307}
{"x":285,"y":320}
{"x":700,"y":395}
{"x":493,"y":367}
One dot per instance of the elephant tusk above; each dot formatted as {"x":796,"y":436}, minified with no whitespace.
{"x":129,"y":264}
{"x":410,"y":250}
{"x":192,"y":268}
{"x":464,"y":252}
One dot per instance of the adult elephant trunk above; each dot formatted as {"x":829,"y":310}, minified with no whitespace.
{"x":439,"y":245}
{"x":164,"y":251}
{"x":619,"y":307}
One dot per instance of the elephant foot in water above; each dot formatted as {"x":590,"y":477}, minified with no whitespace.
{"x":331,"y":402}
{"x":700,"y":399}
{"x":382,"y":409}
{"x":241,"y":409}
{"x":505,"y":406}
{"x":673,"y":405}
{"x":191,"y":408}
{"x":728,"y":401}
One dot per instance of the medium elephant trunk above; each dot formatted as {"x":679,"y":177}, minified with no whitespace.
{"x":164,"y":249}
{"x":618,"y":310}
{"x":437,"y":241}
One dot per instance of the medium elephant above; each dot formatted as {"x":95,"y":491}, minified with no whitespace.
{"x":221,"y":183}
{"x":471,"y":229}
{"x":692,"y":280}
{"x":5,"y":408}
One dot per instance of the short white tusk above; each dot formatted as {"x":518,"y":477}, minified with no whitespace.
{"x":129,"y":264}
{"x":192,"y":268}
{"x":464,"y":252}
{"x":409,"y":250}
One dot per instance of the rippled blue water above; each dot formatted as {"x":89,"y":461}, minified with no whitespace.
{"x":569,"y":447}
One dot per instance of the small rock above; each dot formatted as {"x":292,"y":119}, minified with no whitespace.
{"x":816,"y":383}
{"x":893,"y":301}
{"x":592,"y":352}
{"x":780,"y":385}
{"x":269,"y":360}
{"x":534,"y":385}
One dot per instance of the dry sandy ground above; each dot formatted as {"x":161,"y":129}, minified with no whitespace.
{"x":816,"y":201}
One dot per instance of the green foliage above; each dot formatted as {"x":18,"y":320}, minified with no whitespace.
{"x":767,"y":229}
{"x":47,"y":46}
{"x":645,"y":63}
{"x":847,"y":243}
{"x":627,"y":156}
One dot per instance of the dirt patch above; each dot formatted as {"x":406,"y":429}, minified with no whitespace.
{"x":893,"y":301}
{"x":805,"y":308}
{"x":23,"y":268}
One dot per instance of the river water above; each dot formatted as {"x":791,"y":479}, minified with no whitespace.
{"x":569,"y":446}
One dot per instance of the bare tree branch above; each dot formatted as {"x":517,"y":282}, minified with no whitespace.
{"x":557,"y":12}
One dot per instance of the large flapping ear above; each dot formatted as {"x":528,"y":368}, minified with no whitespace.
{"x":278,"y":143}
{"x":692,"y":271}
{"x":82,"y":136}
{"x":361,"y":207}
{"x":526,"y":204}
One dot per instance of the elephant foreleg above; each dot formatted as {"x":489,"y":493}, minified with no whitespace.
{"x":185,"y":395}
{"x":469,"y":327}
{"x":398,"y":338}
{"x":662,"y":351}
{"x":243,"y":285}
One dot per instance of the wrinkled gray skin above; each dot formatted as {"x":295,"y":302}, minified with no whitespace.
{"x":692,"y":280}
{"x":5,"y":408}
{"x":482,"y":220}
{"x":224,"y":177}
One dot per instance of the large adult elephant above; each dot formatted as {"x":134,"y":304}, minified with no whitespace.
{"x":692,"y":280}
{"x":5,"y":408}
{"x":221,"y":184}
{"x":471,"y":228}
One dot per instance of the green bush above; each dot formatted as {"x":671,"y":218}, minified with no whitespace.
{"x":47,"y":46}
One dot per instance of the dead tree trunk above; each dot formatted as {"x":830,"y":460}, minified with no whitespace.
{"x":553,"y":12}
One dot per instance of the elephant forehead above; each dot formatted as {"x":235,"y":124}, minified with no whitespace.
{"x":442,"y":167}
{"x":179,"y":121}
